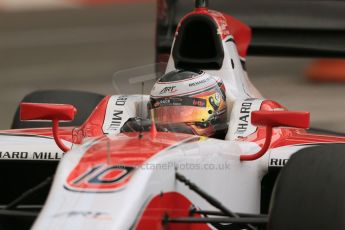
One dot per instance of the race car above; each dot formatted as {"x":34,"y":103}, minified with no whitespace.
{"x":202,"y":151}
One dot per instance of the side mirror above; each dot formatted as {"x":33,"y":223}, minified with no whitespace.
{"x":295,"y":119}
{"x":42,"y":111}
{"x":271,"y":119}
{"x":49,"y":112}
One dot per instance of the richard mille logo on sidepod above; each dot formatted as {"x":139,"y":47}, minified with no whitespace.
{"x":116,"y":119}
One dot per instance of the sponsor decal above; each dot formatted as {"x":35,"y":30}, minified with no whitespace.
{"x":19,"y":146}
{"x":14,"y":155}
{"x":115,"y":114}
{"x":120,"y":108}
{"x":99,"y":178}
{"x":168,"y":89}
{"x":22,"y":155}
{"x":281,"y":155}
{"x":244,"y":117}
{"x":46,"y":156}
{"x":240,"y":125}
{"x":116,"y":120}
{"x":199,"y":82}
{"x":179,"y":101}
{"x":168,"y":102}
{"x":244,"y":127}
{"x":85,"y":214}
{"x":276,"y":162}
{"x":199,"y":102}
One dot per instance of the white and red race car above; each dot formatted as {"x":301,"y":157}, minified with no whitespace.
{"x":119,"y":171}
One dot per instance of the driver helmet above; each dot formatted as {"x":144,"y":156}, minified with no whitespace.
{"x":194,"y":99}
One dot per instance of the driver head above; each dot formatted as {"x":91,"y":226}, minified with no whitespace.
{"x":193,"y":98}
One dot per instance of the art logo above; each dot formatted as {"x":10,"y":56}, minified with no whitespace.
{"x":98,"y":178}
{"x":168,"y":89}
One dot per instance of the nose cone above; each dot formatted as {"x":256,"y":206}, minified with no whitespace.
{"x":106,"y":185}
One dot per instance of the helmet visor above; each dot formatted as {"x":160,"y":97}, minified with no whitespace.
{"x":181,"y":109}
{"x":179,"y":114}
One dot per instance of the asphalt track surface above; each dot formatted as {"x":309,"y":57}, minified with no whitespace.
{"x":82,"y":49}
